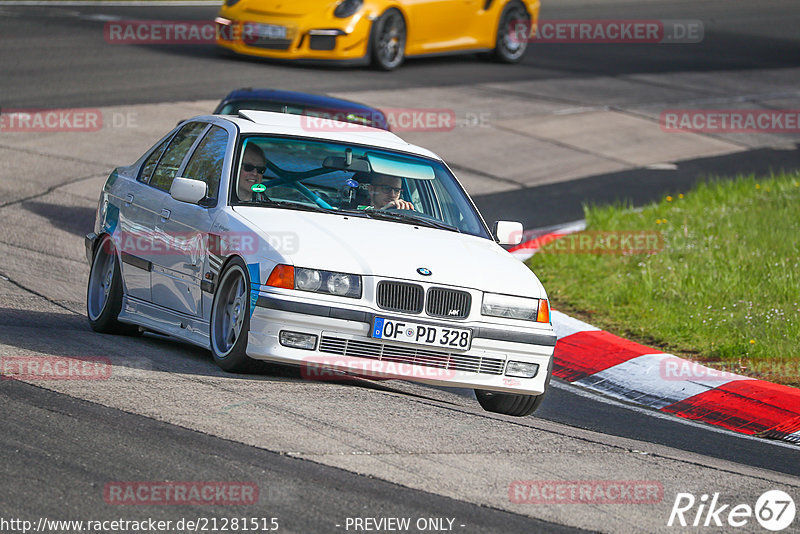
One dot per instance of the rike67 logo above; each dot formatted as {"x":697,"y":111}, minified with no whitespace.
{"x":774,"y":510}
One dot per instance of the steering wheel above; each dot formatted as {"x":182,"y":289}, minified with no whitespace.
{"x":302,"y":189}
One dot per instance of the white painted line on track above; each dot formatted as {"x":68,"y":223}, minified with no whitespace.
{"x":101,"y":17}
{"x":122,"y":3}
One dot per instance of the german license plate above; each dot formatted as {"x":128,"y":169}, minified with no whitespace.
{"x":422,"y":334}
{"x":266,"y":31}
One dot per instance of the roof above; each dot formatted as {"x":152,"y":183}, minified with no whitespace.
{"x":267,"y":122}
{"x":294,"y":97}
{"x":306,"y":101}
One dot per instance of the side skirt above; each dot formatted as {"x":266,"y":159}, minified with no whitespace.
{"x":165,"y":321}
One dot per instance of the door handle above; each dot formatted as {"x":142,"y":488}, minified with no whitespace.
{"x":165,"y":213}
{"x":129,"y":199}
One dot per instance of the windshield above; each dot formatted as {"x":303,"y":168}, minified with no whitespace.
{"x":334,"y":177}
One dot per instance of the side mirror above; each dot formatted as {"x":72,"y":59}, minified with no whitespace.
{"x":508,"y":233}
{"x":188,"y":190}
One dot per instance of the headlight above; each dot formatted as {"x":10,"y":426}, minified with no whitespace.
{"x":347,"y":8}
{"x":307,"y":279}
{"x":512,"y":307}
{"x":339,"y":284}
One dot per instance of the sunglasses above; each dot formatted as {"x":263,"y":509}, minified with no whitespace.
{"x":388,"y":189}
{"x":249,"y":167}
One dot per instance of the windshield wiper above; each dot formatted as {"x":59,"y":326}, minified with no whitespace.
{"x":286,"y":204}
{"x":410,"y":219}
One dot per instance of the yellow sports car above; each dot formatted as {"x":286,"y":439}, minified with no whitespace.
{"x":381,"y":32}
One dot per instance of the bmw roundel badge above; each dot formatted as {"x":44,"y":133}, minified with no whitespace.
{"x":424,"y":272}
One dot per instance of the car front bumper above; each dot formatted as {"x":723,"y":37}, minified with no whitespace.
{"x":343,"y":343}
{"x":306,"y":37}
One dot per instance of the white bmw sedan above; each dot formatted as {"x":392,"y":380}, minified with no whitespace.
{"x":335,"y":247}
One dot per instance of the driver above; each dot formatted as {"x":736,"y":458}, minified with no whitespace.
{"x":384,"y":193}
{"x":254,"y":165}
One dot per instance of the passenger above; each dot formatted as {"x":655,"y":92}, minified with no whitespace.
{"x":254,"y":165}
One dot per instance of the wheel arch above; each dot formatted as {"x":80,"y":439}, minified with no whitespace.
{"x":225,"y":262}
{"x":248,"y":274}
{"x":92,"y":244}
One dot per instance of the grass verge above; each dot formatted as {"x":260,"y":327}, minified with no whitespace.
{"x":723,"y":290}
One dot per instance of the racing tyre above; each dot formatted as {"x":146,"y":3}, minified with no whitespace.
{"x":511,"y":404}
{"x":230,"y":319}
{"x":510,"y":45}
{"x":508,"y":403}
{"x":104,"y":292}
{"x":388,"y":40}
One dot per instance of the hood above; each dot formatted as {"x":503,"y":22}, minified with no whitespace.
{"x":287,"y":8}
{"x":369,"y":247}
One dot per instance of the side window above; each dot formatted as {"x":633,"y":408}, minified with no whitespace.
{"x":206,"y":162}
{"x":150,"y":164}
{"x":174,"y":154}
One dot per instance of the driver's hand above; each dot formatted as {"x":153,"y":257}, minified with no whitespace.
{"x":399,"y":204}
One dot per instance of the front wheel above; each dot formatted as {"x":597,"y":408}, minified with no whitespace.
{"x":509,"y":403}
{"x":512,"y":404}
{"x":513,"y":33}
{"x":388,"y":40}
{"x":230,"y":319}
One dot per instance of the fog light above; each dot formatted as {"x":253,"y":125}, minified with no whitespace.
{"x":298,"y":340}
{"x":522,"y":369}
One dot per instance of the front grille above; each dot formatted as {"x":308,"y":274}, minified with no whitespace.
{"x":412,"y":355}
{"x":271,"y":44}
{"x":322,"y":42}
{"x":400,"y":297}
{"x":448,"y":303}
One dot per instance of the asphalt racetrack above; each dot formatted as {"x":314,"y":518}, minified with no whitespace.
{"x":325,"y":453}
